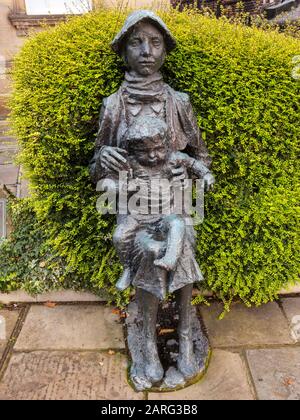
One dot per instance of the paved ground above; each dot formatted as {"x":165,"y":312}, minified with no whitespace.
{"x":77,"y":351}
{"x":10,"y":173}
{"x":12,"y":180}
{"x":292,"y":15}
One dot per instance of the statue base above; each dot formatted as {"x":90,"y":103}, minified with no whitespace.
{"x":168,"y":348}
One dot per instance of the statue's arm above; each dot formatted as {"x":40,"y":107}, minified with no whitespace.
{"x":195,"y":167}
{"x":107,"y":156}
{"x":195,"y":146}
{"x":96,"y":170}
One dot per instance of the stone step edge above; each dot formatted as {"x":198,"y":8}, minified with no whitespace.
{"x":55,"y":296}
{"x":72,"y":296}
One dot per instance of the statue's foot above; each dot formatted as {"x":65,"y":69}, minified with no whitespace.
{"x":166,"y":263}
{"x":124,"y":281}
{"x":153,"y":368}
{"x":154,"y":371}
{"x":138,"y":378}
{"x":186,"y":362}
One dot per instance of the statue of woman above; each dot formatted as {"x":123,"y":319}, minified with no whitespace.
{"x":143,"y":43}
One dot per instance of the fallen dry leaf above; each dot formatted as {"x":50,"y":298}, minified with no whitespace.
{"x":116,"y":311}
{"x":288,"y":381}
{"x":50,"y":304}
{"x":119,"y":312}
{"x":166,"y":331}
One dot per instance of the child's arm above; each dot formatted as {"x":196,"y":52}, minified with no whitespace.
{"x":195,"y":166}
{"x":192,"y":164}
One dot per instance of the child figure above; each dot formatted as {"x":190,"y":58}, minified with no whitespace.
{"x":149,"y":160}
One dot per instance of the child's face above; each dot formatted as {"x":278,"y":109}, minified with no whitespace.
{"x":150,"y":152}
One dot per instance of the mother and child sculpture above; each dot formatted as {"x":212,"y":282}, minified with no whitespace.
{"x":148,"y":132}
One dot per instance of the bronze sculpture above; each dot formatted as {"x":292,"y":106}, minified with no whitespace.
{"x":149,"y":129}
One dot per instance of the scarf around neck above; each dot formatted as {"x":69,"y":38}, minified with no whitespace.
{"x":144,"y":89}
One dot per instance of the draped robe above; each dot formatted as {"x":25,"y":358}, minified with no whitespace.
{"x":153,"y":97}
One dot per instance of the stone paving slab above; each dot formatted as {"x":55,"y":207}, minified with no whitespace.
{"x":8,"y":142}
{"x":244,"y":326}
{"x":225,"y":379}
{"x":8,"y":174}
{"x":276,"y":373}
{"x":4,"y":110}
{"x":24,"y":188}
{"x":86,"y":327}
{"x":7,"y":156}
{"x":8,"y":321}
{"x":4,"y":128}
{"x":290,"y":289}
{"x":61,"y":375}
{"x":5,"y":84}
{"x":3,"y":218}
{"x":55,"y":296}
{"x":291,"y":307}
{"x":12,"y":188}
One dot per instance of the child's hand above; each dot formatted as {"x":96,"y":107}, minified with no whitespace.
{"x":133,"y":185}
{"x":178,"y":173}
{"x":209,"y":181}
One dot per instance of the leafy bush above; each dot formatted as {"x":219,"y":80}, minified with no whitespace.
{"x":26,"y":262}
{"x":240,"y":84}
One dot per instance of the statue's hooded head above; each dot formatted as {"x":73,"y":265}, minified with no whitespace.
{"x":143,"y":42}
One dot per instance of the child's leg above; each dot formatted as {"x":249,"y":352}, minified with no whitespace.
{"x":176,"y":232}
{"x":186,"y":361}
{"x":145,"y":243}
{"x":123,"y":239}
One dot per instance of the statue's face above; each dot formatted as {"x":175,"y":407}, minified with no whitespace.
{"x":145,"y":49}
{"x":150,"y":152}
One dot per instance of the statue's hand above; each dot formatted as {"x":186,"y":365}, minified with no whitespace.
{"x":178,"y":173}
{"x":209,"y":181}
{"x":113,"y":158}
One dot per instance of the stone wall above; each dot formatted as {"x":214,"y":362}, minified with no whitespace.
{"x":9,"y":45}
{"x":15,"y":24}
{"x":230,"y":6}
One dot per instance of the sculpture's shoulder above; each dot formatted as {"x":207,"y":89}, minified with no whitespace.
{"x":110,"y":109}
{"x":111,"y":101}
{"x":181,"y":97}
{"x":108,"y":120}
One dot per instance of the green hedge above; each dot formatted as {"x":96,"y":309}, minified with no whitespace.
{"x":240,"y":83}
{"x":26,"y":260}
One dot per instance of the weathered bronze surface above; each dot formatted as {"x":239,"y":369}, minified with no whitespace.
{"x":149,"y":131}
